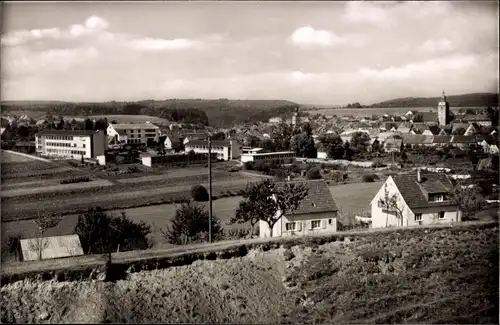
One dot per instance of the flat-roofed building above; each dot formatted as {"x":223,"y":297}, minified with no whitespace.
{"x":225,"y":149}
{"x":285,"y":157}
{"x":130,"y":133}
{"x":71,"y":144}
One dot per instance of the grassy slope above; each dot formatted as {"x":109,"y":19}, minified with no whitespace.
{"x":433,"y":276}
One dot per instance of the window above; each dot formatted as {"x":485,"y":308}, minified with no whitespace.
{"x":330,"y":221}
{"x":441,"y":215}
{"x":83,"y":145}
{"x":290,"y":226}
{"x":315,"y":224}
{"x":436,"y":197}
{"x":418,"y":217}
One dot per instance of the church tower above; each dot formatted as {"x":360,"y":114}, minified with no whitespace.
{"x":295,"y":118}
{"x":443,"y":111}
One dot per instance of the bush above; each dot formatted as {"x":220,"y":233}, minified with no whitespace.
{"x":75,"y":180}
{"x":101,"y":233}
{"x":11,"y":245}
{"x":313,"y":173}
{"x":249,"y":165}
{"x":133,"y":169}
{"x":370,"y":178}
{"x":199,"y":193}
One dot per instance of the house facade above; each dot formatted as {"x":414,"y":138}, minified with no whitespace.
{"x":316,"y":214}
{"x":284,"y":157}
{"x":414,"y":199}
{"x":225,"y":149}
{"x":71,"y":144}
{"x":133,"y":133}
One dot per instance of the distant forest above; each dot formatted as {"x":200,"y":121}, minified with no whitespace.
{"x":466,"y":100}
{"x":219,"y":113}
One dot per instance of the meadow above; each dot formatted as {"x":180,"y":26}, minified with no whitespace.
{"x":132,"y":118}
{"x":422,"y":275}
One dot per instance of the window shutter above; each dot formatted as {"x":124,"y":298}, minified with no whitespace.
{"x":323,"y":224}
{"x":309,"y":225}
{"x":299,"y":226}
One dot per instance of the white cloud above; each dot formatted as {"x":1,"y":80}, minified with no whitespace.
{"x":438,"y":45}
{"x":364,"y":12}
{"x":159,"y":44}
{"x":425,"y":69}
{"x":309,"y":37}
{"x":22,"y":61}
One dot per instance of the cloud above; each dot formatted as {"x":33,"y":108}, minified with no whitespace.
{"x":425,"y":69}
{"x":93,"y":24}
{"x":159,"y":44}
{"x":364,"y":12}
{"x":22,"y":62}
{"x":309,"y":37}
{"x":438,"y":45}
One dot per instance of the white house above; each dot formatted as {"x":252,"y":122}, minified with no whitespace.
{"x":414,"y":199}
{"x":225,"y":149}
{"x":194,"y":136}
{"x":133,"y":133}
{"x":72,"y":144}
{"x":317,"y":213}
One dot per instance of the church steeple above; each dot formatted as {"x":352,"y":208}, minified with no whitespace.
{"x":443,"y":96}
{"x":443,"y":111}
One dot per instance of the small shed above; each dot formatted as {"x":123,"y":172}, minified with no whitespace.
{"x":52,"y":247}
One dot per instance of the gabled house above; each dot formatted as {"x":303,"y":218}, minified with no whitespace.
{"x":413,"y":140}
{"x":414,"y":199}
{"x":480,"y":119}
{"x":441,"y":140}
{"x":422,"y":128}
{"x":193,"y":136}
{"x":458,"y":126}
{"x":472,"y":129}
{"x":489,"y":145}
{"x":172,"y":142}
{"x":393,"y":144}
{"x":462,"y":141}
{"x":405,"y":128}
{"x":317,"y":213}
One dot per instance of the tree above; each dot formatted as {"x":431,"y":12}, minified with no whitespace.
{"x":89,"y":125}
{"x":391,"y":205}
{"x":470,"y":111}
{"x":190,"y":224}
{"x":376,"y":147}
{"x":219,"y":136}
{"x":417,"y":118}
{"x":468,"y":199}
{"x":281,"y":135}
{"x":199,"y":193}
{"x":303,"y":145}
{"x":101,"y":233}
{"x":288,"y":198}
{"x":360,"y":142}
{"x":43,"y":221}
{"x":458,"y":131}
{"x":348,"y":152}
{"x":101,"y":124}
{"x":334,"y":146}
{"x":60,"y":123}
{"x":313,"y":173}
{"x":23,"y":131}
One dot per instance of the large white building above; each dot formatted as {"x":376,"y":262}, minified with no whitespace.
{"x":133,"y":133}
{"x":71,"y":144}
{"x":285,"y":157}
{"x":225,"y":149}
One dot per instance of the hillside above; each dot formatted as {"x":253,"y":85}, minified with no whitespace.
{"x":420,"y":275}
{"x":466,"y":100}
{"x":221,"y":112}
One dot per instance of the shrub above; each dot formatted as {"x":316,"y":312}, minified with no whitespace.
{"x":11,"y":246}
{"x":249,"y":165}
{"x":241,"y":192}
{"x":75,"y":180}
{"x":313,"y":173}
{"x":369,"y":178}
{"x":199,"y":193}
{"x":133,"y":169}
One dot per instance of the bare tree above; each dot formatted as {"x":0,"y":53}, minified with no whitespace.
{"x":289,"y":197}
{"x":43,"y":221}
{"x":467,"y":198}
{"x":391,"y":203}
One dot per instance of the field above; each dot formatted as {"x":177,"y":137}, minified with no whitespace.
{"x":157,"y":216}
{"x":373,"y":111}
{"x":7,"y":157}
{"x":132,"y":118}
{"x":441,"y":275}
{"x":356,"y":197}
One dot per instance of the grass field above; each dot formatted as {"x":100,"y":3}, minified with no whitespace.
{"x":157,"y":216}
{"x":440,"y":276}
{"x":8,"y":157}
{"x":132,"y":118}
{"x":356,"y":197}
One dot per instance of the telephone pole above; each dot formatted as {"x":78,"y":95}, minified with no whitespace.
{"x":209,"y":189}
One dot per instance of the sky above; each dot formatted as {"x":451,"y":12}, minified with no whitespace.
{"x":328,"y":53}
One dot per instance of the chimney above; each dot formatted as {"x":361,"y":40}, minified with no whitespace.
{"x":419,"y":177}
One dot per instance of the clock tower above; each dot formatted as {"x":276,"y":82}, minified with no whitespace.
{"x":443,"y":111}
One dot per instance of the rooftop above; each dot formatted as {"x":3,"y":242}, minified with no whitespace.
{"x":413,"y":192}
{"x":134,"y":126}
{"x":319,"y":198}
{"x":67,"y":132}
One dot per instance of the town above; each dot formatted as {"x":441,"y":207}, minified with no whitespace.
{"x":250,"y":162}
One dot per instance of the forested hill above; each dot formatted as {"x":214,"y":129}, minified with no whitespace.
{"x":219,"y":112}
{"x":466,"y":100}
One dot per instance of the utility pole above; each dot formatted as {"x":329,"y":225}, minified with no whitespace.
{"x":209,"y":189}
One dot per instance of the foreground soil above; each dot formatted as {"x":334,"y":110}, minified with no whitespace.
{"x":436,"y":276}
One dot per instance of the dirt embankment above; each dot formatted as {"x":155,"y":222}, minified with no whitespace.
{"x":432,"y":276}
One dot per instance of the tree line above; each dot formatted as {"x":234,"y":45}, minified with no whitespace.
{"x":219,"y":113}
